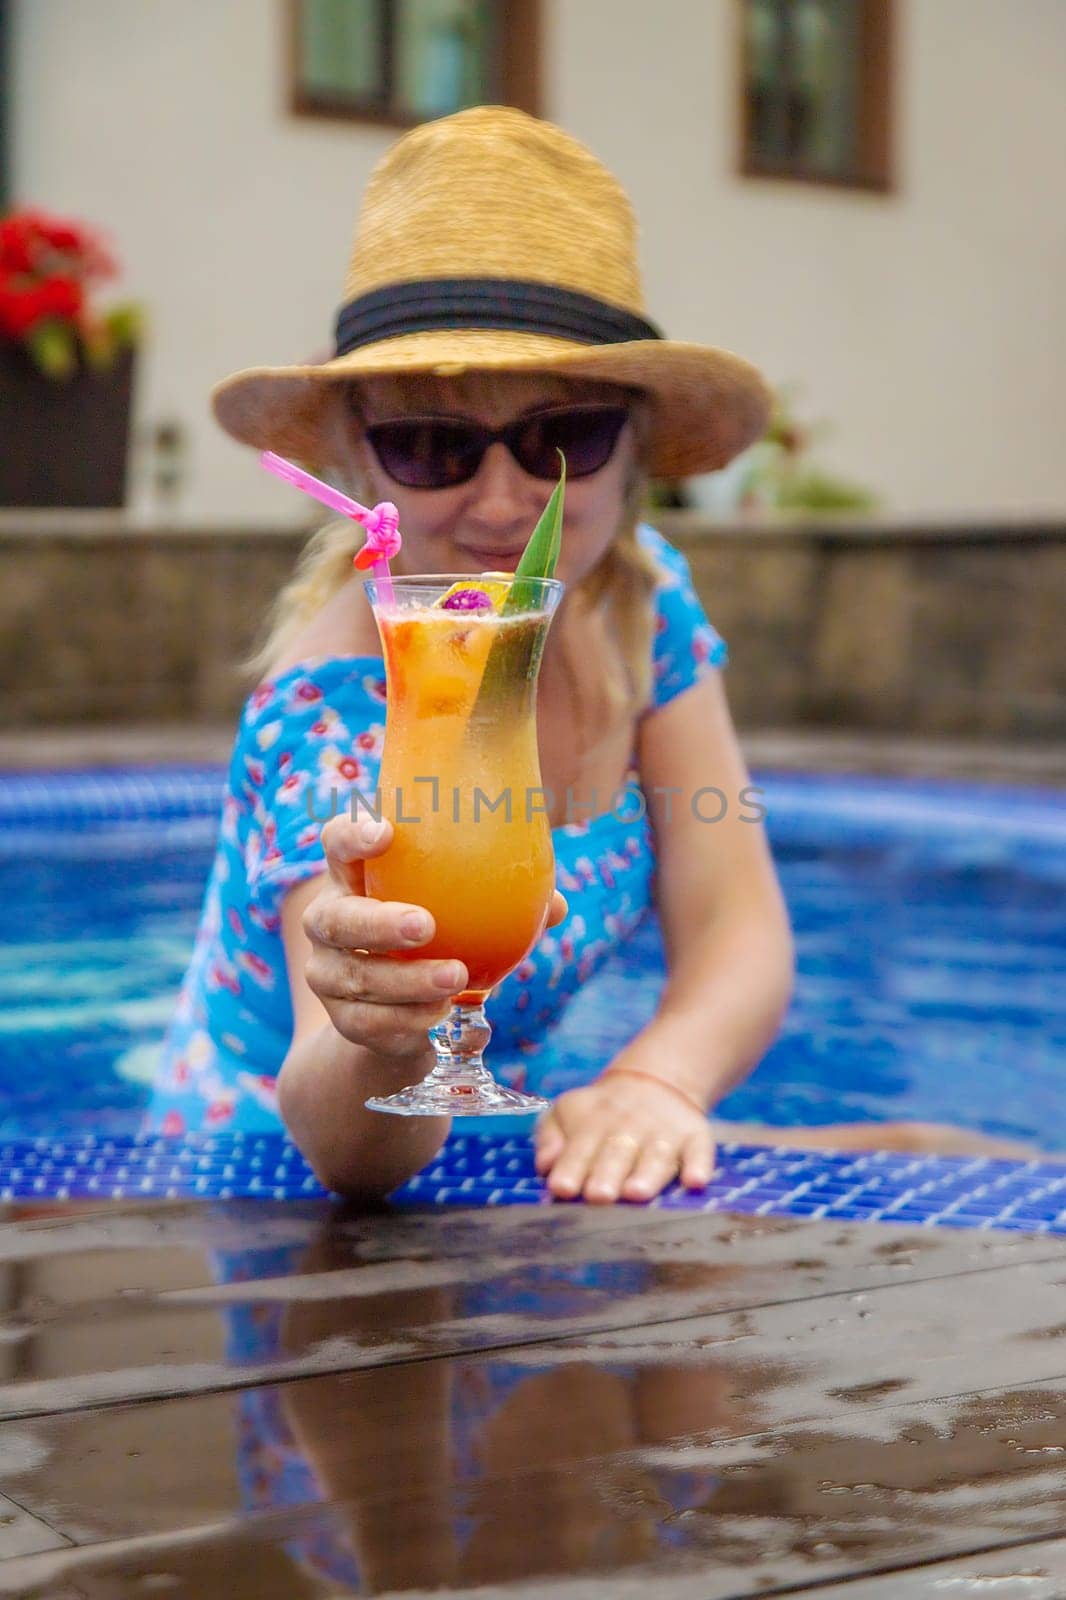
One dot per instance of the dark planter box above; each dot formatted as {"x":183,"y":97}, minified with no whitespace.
{"x":63,"y":443}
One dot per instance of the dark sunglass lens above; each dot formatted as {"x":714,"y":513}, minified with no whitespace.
{"x":426,"y":454}
{"x":585,"y":435}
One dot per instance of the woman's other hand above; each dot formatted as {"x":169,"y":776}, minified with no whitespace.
{"x":623,"y":1138}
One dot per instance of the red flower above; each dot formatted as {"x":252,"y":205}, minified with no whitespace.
{"x":46,"y":264}
{"x":32,"y":242}
{"x":25,"y":302}
{"x":16,"y":244}
{"x":173,"y":1125}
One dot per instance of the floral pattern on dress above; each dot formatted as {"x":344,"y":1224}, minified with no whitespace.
{"x":307,"y":743}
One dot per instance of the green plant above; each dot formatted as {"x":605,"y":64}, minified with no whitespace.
{"x":781,"y":476}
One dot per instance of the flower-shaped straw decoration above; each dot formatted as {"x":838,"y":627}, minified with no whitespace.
{"x":382,"y":524}
{"x":382,"y":536}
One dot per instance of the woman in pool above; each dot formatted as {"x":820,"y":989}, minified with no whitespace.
{"x":492,"y":315}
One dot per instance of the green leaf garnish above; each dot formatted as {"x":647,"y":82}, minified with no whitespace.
{"x":542,"y":552}
{"x":514,"y":658}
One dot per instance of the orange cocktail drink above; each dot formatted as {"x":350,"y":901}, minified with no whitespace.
{"x":460,"y":782}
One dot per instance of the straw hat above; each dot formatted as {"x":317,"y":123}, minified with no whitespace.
{"x":491,"y":241}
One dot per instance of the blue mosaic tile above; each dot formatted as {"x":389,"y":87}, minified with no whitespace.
{"x":480,"y":1170}
{"x":108,"y":795}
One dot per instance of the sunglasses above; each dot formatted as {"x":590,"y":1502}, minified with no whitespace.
{"x":443,"y":452}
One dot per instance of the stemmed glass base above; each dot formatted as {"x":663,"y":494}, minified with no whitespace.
{"x":460,"y":1084}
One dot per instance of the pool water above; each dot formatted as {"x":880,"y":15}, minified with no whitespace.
{"x":929,"y":921}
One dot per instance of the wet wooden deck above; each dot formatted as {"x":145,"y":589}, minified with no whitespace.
{"x":266,"y":1401}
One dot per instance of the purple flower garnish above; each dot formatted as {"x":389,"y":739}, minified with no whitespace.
{"x":467,"y":600}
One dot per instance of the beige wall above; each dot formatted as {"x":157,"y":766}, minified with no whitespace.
{"x":928,"y":326}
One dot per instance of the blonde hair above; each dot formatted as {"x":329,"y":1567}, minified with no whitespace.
{"x":615,"y":597}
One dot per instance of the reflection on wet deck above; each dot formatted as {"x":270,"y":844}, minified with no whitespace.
{"x":292,"y":1400}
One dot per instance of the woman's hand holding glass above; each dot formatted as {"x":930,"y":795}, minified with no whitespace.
{"x":384,"y":1005}
{"x":372,"y":999}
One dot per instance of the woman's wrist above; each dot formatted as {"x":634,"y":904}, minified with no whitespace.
{"x":675,"y":1053}
{"x":332,"y":1062}
{"x":323,"y":1087}
{"x":367,"y":1072}
{"x":648,"y":1076}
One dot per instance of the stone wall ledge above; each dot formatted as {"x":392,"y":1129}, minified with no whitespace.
{"x":924,"y":628}
{"x":983,"y":528}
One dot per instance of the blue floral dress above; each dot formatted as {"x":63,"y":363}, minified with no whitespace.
{"x":315,"y":732}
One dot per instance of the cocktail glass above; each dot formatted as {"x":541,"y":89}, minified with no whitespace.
{"x":460,"y":782}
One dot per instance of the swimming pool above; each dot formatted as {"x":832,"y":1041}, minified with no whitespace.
{"x":929,"y":921}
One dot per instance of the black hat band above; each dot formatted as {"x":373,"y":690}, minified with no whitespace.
{"x":504,"y":304}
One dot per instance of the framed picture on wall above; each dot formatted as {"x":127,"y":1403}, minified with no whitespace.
{"x":407,"y":61}
{"x":816,"y":91}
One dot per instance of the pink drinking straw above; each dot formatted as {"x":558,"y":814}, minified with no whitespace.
{"x":382,"y":524}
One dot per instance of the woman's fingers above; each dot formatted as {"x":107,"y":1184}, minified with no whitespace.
{"x":697,"y":1159}
{"x":548,"y":1141}
{"x":347,"y":842}
{"x":622,"y":1141}
{"x":567,"y":1177}
{"x":373,"y":999}
{"x":354,"y":922}
{"x":351,"y":975}
{"x":558,"y":911}
{"x":395,"y":1031}
{"x":349,"y":920}
{"x":615,"y":1160}
{"x":656,"y":1165}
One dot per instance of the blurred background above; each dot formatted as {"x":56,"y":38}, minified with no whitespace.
{"x":917,"y":303}
{"x":863,"y":196}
